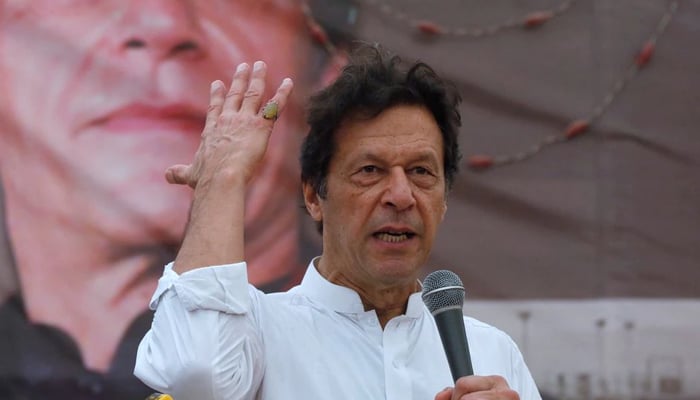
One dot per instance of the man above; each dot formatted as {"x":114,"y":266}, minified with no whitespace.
{"x":377,"y":164}
{"x":97,"y":99}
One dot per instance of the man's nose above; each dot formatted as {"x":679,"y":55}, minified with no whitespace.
{"x":398,"y":193}
{"x":161,"y":29}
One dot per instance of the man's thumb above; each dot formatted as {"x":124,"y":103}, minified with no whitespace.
{"x":178,"y":174}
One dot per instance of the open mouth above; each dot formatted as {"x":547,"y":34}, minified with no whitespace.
{"x":394,"y":237}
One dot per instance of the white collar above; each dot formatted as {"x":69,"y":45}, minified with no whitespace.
{"x":343,"y":299}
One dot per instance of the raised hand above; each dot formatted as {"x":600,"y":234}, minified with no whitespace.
{"x":234,"y":141}
{"x":237,"y":129}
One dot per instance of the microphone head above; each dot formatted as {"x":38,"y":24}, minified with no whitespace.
{"x":442,"y":290}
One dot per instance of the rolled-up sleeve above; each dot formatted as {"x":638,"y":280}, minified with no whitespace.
{"x":204,"y":342}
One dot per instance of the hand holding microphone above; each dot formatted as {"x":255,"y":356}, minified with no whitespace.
{"x":479,"y":387}
{"x":443,"y":294}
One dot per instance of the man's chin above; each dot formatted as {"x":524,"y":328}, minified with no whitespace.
{"x":397,"y":270}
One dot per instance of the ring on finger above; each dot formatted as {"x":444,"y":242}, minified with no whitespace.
{"x":270,"y":111}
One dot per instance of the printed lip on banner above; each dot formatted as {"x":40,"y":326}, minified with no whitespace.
{"x":140,"y":118}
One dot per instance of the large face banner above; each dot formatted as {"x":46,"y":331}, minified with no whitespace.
{"x":575,"y":231}
{"x":98,"y":98}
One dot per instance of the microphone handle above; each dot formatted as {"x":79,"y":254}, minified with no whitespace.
{"x":450,"y":324}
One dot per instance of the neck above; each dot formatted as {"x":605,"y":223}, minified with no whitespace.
{"x":101,"y":291}
{"x":388,"y":301}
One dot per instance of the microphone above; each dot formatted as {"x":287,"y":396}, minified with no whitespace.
{"x":443,"y":294}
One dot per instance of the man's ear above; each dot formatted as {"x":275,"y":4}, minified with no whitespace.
{"x":312,"y":202}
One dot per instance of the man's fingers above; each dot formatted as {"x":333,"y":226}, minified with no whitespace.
{"x":178,"y":174}
{"x":216,"y":101}
{"x":256,"y":87}
{"x":239,"y":85}
{"x":495,"y":384}
{"x":274,"y":107}
{"x":493,"y":394}
{"x":445,"y":394}
{"x":475,"y":383}
{"x":282,"y":95}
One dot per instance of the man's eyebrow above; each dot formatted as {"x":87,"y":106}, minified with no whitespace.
{"x":426,"y":155}
{"x":422,"y":156}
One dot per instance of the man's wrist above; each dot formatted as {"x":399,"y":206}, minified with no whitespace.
{"x":214,"y":234}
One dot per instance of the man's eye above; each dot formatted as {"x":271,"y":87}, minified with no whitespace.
{"x":368,"y":169}
{"x":421,"y":171}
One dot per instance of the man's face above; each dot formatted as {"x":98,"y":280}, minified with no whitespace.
{"x":99,"y":97}
{"x":385,"y":197}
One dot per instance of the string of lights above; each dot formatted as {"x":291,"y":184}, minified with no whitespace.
{"x":576,"y":127}
{"x":530,"y":20}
